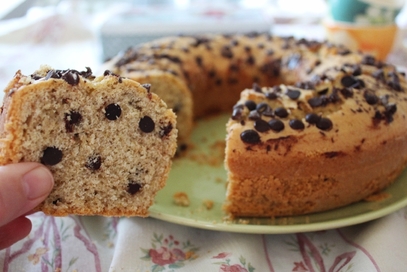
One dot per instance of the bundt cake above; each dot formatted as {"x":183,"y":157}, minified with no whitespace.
{"x":322,"y":127}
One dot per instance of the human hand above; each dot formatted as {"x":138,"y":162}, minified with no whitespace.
{"x":22,"y":187}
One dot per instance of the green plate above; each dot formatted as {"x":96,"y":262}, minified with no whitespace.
{"x":201,"y":176}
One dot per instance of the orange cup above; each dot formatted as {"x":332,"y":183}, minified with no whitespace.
{"x":376,"y":40}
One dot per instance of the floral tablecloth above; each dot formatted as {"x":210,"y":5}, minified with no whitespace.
{"x":146,"y":244}
{"x":89,"y":244}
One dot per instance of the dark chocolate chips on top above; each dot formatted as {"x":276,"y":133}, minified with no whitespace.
{"x":250,"y":136}
{"x":71,"y":76}
{"x":261,"y":125}
{"x":293,"y":94}
{"x":276,"y":125}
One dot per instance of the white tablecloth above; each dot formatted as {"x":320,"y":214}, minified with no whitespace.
{"x":145,"y":244}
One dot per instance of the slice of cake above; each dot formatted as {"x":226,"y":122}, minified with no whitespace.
{"x":107,"y":140}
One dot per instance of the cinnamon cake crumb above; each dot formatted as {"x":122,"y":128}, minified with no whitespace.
{"x":208,"y":204}
{"x":377,"y":197}
{"x":181,"y":199}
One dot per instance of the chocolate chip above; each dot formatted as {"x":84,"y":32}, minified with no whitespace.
{"x":286,"y":45}
{"x":323,"y":91}
{"x":87,"y":73}
{"x":315,"y":101}
{"x":370,"y":97}
{"x":250,"y":136}
{"x":146,"y":86}
{"x":268,"y":112}
{"x":377,"y":117}
{"x":199,"y":41}
{"x":133,"y":188}
{"x":146,"y":124}
{"x":312,"y":118}
{"x":237,"y":112}
{"x":277,"y":89}
{"x":357,"y":71}
{"x":212,"y":73}
{"x":344,"y":51}
{"x":347,"y":92}
{"x":261,"y":126}
{"x":369,"y":60}
{"x":296,"y":124}
{"x":94,"y":162}
{"x":262,"y":107}
{"x":226,"y":52}
{"x":174,"y":59}
{"x":306,"y":85}
{"x":71,"y":77}
{"x":250,"y":104}
{"x":113,"y":111}
{"x":254,"y":115}
{"x":50,"y":74}
{"x":348,"y":81}
{"x":394,"y":82}
{"x":276,"y":125}
{"x":51,"y":156}
{"x":271,"y":95}
{"x":177,"y":108}
{"x":166,"y":130}
{"x":272,"y":68}
{"x":395,"y":85}
{"x":324,"y":123}
{"x":359,"y":84}
{"x":391,"y":108}
{"x":253,"y":34}
{"x":250,"y":60}
{"x":293,"y":94}
{"x":281,"y":112}
{"x":256,"y":88}
{"x":72,"y":118}
{"x":379,"y":75}
{"x":56,"y":201}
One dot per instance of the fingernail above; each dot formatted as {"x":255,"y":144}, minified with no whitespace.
{"x":38,"y":182}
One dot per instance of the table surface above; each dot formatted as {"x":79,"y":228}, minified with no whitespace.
{"x":146,"y":244}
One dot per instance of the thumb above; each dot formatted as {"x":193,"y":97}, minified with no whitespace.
{"x":22,"y":187}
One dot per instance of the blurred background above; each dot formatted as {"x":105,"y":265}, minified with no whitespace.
{"x":78,"y":33}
